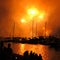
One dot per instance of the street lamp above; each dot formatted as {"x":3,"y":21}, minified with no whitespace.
{"x":32,"y":12}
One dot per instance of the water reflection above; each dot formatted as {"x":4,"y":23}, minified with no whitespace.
{"x":46,"y":52}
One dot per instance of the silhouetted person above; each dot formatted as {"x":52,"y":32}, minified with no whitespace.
{"x":1,"y":51}
{"x":35,"y":57}
{"x":31,"y":57}
{"x":9,"y":52}
{"x":5,"y":53}
{"x":26,"y":56}
{"x":40,"y":57}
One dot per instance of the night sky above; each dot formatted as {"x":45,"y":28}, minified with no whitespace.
{"x":11,"y":11}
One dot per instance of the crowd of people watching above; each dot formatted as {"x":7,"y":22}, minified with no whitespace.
{"x":6,"y":53}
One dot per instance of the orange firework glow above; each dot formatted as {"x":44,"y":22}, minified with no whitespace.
{"x":32,"y":12}
{"x":35,"y":16}
{"x":23,"y":20}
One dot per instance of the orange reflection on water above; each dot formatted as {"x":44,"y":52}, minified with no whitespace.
{"x":39,"y":49}
{"x":21,"y":48}
{"x":44,"y":50}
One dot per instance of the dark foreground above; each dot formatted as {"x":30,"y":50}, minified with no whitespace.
{"x":6,"y":53}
